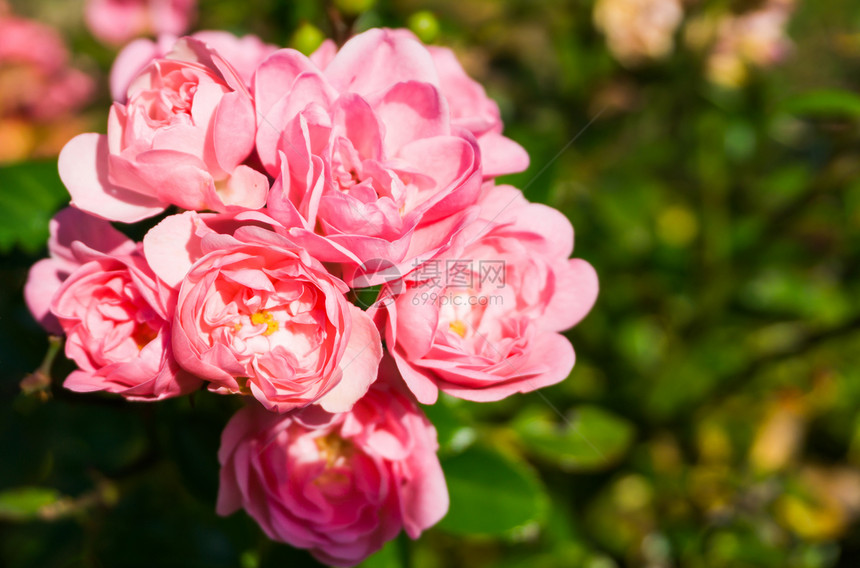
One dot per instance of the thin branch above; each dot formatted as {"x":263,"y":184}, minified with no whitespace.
{"x":342,"y":27}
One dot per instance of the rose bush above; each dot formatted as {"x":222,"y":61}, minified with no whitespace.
{"x":381,"y":157}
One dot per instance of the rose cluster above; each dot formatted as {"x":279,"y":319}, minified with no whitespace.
{"x":276,"y":191}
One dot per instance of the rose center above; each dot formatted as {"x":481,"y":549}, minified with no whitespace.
{"x":351,"y":171}
{"x":333,"y":448}
{"x":184,"y":98}
{"x":459,"y":311}
{"x":266,"y":318}
{"x":458,"y":327}
{"x":143,"y":334}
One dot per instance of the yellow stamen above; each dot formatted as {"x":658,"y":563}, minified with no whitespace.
{"x":458,"y":327}
{"x":264,"y":317}
{"x":332,"y":447}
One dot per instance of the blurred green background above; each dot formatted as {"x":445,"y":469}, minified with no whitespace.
{"x":713,"y":416}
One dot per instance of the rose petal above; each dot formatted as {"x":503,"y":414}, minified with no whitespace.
{"x":83,"y":166}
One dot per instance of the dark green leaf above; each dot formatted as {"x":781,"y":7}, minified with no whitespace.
{"x":490,"y":493}
{"x":30,"y":194}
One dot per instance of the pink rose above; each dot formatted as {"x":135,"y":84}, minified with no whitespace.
{"x":116,"y":21}
{"x":244,"y":54}
{"x":114,"y":312}
{"x":258,"y":315}
{"x":68,"y":227}
{"x":340,"y":485}
{"x":484,"y":324}
{"x":180,"y":139}
{"x":365,"y":150}
{"x":469,"y":105}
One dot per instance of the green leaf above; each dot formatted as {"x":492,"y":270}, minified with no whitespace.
{"x":810,"y":296}
{"x":454,"y":431}
{"x":825,"y":104}
{"x":30,"y":194}
{"x":490,"y":493}
{"x":389,"y":557}
{"x":25,"y":503}
{"x":365,"y":297}
{"x":591,"y":439}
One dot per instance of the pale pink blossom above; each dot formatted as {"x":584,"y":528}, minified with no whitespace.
{"x":117,"y":21}
{"x":114,"y":313}
{"x":181,"y":139}
{"x":339,"y":485}
{"x":365,"y":150}
{"x":485,"y":324}
{"x":257,"y":315}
